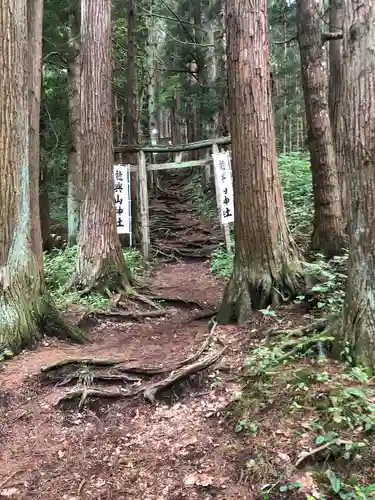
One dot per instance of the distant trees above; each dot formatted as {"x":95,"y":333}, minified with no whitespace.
{"x":100,"y":261}
{"x":328,"y":234}
{"x":359,"y":118}
{"x":266,"y":262}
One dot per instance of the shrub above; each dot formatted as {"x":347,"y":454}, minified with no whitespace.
{"x":59,"y":266}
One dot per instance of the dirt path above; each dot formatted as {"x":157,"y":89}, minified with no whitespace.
{"x":176,"y":228}
{"x":178,"y":449}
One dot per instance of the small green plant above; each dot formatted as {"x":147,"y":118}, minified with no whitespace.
{"x":345,"y":491}
{"x":330,"y":277}
{"x":326,"y":438}
{"x":59,"y":266}
{"x":270,"y":312}
{"x":221,"y":263}
{"x":322,"y":377}
{"x":246,"y":426}
{"x":293,"y":485}
{"x":357,"y":374}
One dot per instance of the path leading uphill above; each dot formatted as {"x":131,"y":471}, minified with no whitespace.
{"x":127,"y":449}
{"x":176,"y":227}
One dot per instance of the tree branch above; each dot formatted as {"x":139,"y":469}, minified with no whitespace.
{"x":326,"y":37}
{"x":185,"y":21}
{"x":185,"y":42}
{"x":287,"y":41}
{"x":179,"y":19}
{"x":56,"y":54}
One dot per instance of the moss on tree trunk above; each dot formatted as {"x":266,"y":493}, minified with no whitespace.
{"x":27,"y":312}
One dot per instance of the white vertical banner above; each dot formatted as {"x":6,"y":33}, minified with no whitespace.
{"x":223,"y":176}
{"x":121,"y":175}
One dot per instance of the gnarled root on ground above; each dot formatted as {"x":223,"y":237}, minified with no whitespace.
{"x":86,"y":371}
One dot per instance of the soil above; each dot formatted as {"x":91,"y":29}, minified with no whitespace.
{"x":183,"y":446}
{"x":128,"y":449}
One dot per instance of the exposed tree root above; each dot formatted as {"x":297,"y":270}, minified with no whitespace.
{"x":317,"y":326}
{"x":200,"y":365}
{"x":149,"y":391}
{"x":89,"y":370}
{"x":136,"y":315}
{"x":144,"y":299}
{"x":125,"y":366}
{"x":175,"y":300}
{"x":250,"y":289}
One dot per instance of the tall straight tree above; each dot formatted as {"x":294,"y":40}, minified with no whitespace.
{"x":100,"y":261}
{"x":267,"y":262}
{"x":359,"y":119}
{"x":328,"y":235}
{"x":335,"y":101}
{"x":35,"y":31}
{"x":26,"y":311}
{"x":132,"y":116}
{"x":74,"y":155}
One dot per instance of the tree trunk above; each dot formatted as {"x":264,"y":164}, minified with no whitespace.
{"x":328,"y":235}
{"x":176,"y":119}
{"x":74,"y":155}
{"x":26,"y":311}
{"x":267,"y":262}
{"x":100,"y":262}
{"x":44,"y":205}
{"x":151,"y":93}
{"x":359,"y":118}
{"x":131,"y":129}
{"x":35,"y":30}
{"x":335,"y":97}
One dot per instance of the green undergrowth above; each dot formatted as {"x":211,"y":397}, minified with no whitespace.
{"x":308,"y":421}
{"x":59,"y":266}
{"x":327,"y":278}
{"x":296,"y":181}
{"x":295,"y":174}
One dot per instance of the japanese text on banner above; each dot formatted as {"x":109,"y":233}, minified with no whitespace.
{"x":122,"y":198}
{"x":223,"y":174}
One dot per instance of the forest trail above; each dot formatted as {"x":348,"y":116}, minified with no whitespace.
{"x":176,"y":228}
{"x":180,"y":448}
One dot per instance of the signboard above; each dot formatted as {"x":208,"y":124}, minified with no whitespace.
{"x":224,"y":186}
{"x":122,"y":198}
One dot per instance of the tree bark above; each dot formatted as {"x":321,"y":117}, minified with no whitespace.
{"x":44,"y":204}
{"x":328,"y":235}
{"x":100,"y":262}
{"x":176,"y":119}
{"x":132,"y":126}
{"x":35,"y":30}
{"x":74,"y":155}
{"x":359,"y":118}
{"x":335,"y":97}
{"x":26,"y":311}
{"x":267,"y":261}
